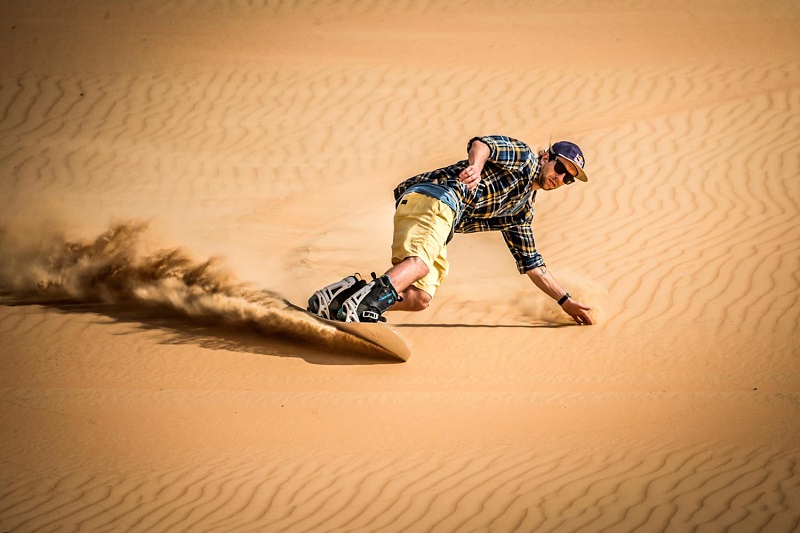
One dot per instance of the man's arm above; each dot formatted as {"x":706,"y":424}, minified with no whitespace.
{"x":478,"y":154}
{"x":520,"y":242}
{"x":506,"y":152}
{"x":548,"y":284}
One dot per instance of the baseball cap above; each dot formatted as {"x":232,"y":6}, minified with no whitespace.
{"x":571,"y":152}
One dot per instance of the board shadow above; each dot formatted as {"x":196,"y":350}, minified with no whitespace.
{"x":178,"y":329}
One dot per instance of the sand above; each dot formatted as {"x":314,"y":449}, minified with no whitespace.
{"x":170,"y":171}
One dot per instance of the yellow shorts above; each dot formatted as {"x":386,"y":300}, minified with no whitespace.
{"x":421,"y":227}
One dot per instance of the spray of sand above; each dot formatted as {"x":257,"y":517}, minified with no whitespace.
{"x":537,"y":308}
{"x":115,"y":267}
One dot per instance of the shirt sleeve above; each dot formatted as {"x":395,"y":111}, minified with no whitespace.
{"x":519,"y":240}
{"x":505,"y":152}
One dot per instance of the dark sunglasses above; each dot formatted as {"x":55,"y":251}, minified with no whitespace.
{"x":561,"y":168}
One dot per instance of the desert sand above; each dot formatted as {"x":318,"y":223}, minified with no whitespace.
{"x":170,"y":171}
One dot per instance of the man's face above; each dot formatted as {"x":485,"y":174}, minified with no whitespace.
{"x":555,"y":171}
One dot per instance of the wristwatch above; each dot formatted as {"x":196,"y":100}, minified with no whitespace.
{"x":564,"y":299}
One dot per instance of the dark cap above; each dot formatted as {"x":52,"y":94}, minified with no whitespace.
{"x":571,"y":152}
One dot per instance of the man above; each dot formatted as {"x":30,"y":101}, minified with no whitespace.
{"x":493,"y":190}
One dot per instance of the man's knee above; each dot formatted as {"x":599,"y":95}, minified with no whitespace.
{"x":416,"y":299}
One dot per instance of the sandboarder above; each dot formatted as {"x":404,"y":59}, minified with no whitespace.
{"x":492,"y":190}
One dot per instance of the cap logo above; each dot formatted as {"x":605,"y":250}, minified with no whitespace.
{"x":579,"y":159}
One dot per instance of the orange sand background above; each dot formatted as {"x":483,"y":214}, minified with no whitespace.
{"x":271,"y":134}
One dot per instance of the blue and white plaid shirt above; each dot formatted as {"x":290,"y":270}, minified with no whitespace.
{"x":502,"y":201}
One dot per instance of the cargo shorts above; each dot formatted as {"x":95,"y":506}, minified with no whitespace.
{"x":422,"y":226}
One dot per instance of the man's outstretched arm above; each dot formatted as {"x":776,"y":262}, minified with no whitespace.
{"x":548,"y":284}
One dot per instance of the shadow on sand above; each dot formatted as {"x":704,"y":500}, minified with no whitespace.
{"x":179,"y":329}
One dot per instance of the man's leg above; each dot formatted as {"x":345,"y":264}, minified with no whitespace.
{"x":406,"y":272}
{"x":403,"y":274}
{"x":421,"y":227}
{"x":413,"y":299}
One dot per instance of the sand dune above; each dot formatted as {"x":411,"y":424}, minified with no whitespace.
{"x":475,"y":490}
{"x":170,"y":172}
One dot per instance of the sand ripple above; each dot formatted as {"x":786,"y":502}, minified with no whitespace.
{"x":477,"y":489}
{"x":147,"y":390}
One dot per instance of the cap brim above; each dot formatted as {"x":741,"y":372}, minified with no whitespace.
{"x":581,"y":174}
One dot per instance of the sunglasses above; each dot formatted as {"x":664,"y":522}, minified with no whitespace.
{"x":561,"y":168}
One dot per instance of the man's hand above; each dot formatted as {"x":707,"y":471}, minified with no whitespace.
{"x":478,"y":154}
{"x":470,"y":176}
{"x":548,"y":284}
{"x":578,"y":312}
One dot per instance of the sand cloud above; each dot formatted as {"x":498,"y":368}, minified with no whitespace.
{"x":117,"y":267}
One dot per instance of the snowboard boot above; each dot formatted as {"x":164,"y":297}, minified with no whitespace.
{"x":369,"y":302}
{"x":327,"y":301}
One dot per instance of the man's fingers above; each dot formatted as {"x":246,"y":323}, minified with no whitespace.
{"x":582,"y":317}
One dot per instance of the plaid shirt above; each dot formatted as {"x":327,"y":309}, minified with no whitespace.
{"x":502,"y":201}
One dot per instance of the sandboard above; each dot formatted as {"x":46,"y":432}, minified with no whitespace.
{"x":373,"y":333}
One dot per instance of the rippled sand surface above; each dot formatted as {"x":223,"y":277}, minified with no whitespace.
{"x":171,"y":171}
